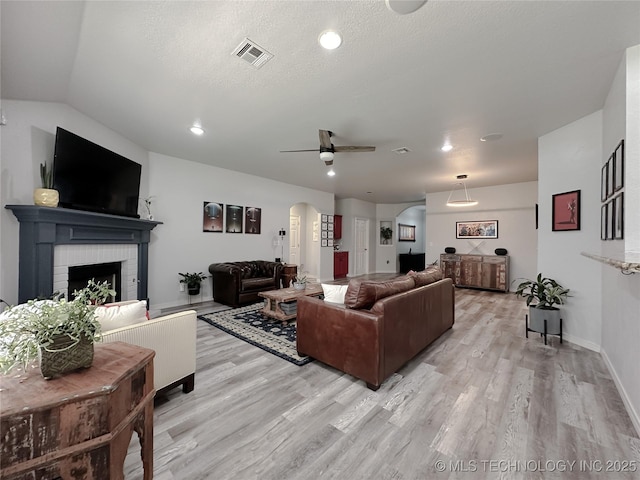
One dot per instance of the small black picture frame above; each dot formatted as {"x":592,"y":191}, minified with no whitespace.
{"x":618,"y":169}
{"x":604,"y":220}
{"x":604,"y":182}
{"x":617,"y":226}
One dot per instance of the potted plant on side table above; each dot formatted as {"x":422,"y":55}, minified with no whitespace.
{"x":60,"y":333}
{"x":193,"y":281}
{"x":544,"y":315}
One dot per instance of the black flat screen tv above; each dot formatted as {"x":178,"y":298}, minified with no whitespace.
{"x":90,"y":177}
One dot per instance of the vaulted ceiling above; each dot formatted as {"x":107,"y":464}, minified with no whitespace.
{"x":452,"y":71}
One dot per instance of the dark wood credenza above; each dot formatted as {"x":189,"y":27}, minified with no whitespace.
{"x":489,"y":272}
{"x":79,"y":425}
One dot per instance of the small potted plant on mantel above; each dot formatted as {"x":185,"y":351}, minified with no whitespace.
{"x":547,"y":293}
{"x":60,"y":333}
{"x":193,"y":281}
{"x":46,"y":196}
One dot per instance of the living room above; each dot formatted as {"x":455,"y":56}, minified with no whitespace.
{"x":601,"y":314}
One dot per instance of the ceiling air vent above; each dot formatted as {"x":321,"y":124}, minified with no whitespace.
{"x":401,"y":150}
{"x":253,"y":53}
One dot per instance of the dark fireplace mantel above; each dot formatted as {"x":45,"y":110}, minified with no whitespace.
{"x":42,"y":228}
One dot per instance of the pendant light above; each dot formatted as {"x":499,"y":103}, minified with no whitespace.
{"x":467,"y":202}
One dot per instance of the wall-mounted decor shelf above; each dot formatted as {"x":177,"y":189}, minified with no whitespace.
{"x":626,"y":267}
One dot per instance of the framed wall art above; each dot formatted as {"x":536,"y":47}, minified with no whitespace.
{"x":618,"y":217}
{"x":252,"y":220}
{"x":234,"y":219}
{"x":565,"y":211}
{"x":478,"y":229}
{"x":618,"y":169}
{"x":212,"y":217}
{"x":406,"y":233}
{"x":604,"y":220}
{"x":604,"y":181}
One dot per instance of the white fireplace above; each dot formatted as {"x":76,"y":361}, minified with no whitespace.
{"x":65,"y":256}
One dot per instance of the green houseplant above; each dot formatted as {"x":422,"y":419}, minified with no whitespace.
{"x":193,"y":281}
{"x":543,"y":296}
{"x":300,"y":282}
{"x":386,"y":233}
{"x":46,"y":196}
{"x":60,"y":333}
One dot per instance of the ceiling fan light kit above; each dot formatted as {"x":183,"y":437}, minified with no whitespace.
{"x":327,"y":149}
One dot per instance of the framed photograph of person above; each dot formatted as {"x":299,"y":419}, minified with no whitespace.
{"x":565,"y":211}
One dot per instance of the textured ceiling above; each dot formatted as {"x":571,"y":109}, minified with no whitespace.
{"x":452,"y":70}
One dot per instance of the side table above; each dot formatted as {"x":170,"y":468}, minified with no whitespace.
{"x":289,"y":272}
{"x":79,"y":425}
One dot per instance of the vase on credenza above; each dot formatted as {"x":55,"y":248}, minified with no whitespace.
{"x":46,"y":197}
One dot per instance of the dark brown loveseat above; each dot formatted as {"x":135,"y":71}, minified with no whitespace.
{"x":381,"y":327}
{"x":238,"y":283}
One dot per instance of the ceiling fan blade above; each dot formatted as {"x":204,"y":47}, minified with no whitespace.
{"x":325,"y":138}
{"x":352,"y":148}
{"x":289,"y":151}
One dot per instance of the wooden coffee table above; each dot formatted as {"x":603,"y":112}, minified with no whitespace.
{"x":273,"y":299}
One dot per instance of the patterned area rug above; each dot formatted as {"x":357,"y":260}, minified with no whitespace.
{"x":248,"y":324}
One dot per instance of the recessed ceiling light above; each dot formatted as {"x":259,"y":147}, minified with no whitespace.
{"x":331,"y":172}
{"x":491,"y":137}
{"x":330,"y":39}
{"x":196,"y":130}
{"x":447,"y":147}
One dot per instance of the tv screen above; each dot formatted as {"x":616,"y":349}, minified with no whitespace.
{"x":90,"y":177}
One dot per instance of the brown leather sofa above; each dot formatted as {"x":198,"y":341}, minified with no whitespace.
{"x":238,"y":283}
{"x":381,"y":327}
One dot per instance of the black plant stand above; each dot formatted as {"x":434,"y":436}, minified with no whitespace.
{"x":527,"y":329}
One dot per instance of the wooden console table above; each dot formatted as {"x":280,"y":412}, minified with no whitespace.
{"x":79,"y":425}
{"x":489,"y":272}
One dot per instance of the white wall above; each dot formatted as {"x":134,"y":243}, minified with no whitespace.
{"x":570,"y":159}
{"x":28,"y":139}
{"x":386,"y":256}
{"x":412,"y":216}
{"x":621,"y":293}
{"x":179,"y":245}
{"x":350,"y":209}
{"x":512,"y":205}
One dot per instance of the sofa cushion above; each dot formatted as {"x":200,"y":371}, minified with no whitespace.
{"x":249,"y":284}
{"x":363,"y":293}
{"x":117,"y":315}
{"x":431,"y":274}
{"x":334,"y":293}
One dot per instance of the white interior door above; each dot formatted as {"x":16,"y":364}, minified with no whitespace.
{"x":294,"y":240}
{"x":361,"y":259}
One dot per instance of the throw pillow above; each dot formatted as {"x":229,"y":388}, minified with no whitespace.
{"x":334,"y":293}
{"x":118,"y":315}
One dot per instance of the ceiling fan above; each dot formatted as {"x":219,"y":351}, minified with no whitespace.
{"x":327,"y":149}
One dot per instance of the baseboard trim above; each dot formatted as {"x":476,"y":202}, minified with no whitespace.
{"x":635,"y":418}
{"x":581,"y":342}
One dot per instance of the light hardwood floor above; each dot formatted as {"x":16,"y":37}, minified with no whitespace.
{"x":481,"y":402}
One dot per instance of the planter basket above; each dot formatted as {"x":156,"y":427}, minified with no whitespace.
{"x":65,"y":355}
{"x":299,"y":286}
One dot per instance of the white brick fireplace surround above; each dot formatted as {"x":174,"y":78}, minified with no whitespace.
{"x":65,"y":256}
{"x":53,"y":239}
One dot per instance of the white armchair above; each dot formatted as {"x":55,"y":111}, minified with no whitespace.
{"x":173,"y":337}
